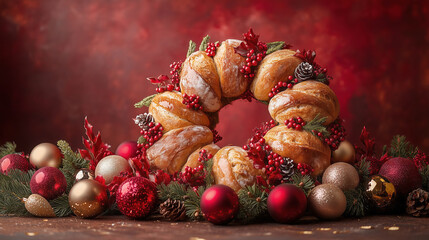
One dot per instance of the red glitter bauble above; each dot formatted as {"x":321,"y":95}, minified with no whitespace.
{"x":14,"y":161}
{"x":402,"y":173}
{"x":219,"y":204}
{"x":49,"y":182}
{"x":127,"y":149}
{"x":136,"y":197}
{"x":286,"y":203}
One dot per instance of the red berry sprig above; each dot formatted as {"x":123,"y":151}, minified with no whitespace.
{"x":252,"y":60}
{"x":194,"y":177}
{"x":295,"y":123}
{"x":151,"y":135}
{"x":211,"y":49}
{"x":204,"y":156}
{"x":216,"y":136}
{"x":337,"y":134}
{"x":175,"y":74}
{"x":247,"y":95}
{"x":192,"y":101}
{"x":304,"y":169}
{"x":281,"y":86}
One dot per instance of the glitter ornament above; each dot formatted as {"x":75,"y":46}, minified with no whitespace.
{"x":127,"y":149}
{"x":111,"y":166}
{"x":327,"y":201}
{"x":344,"y":153}
{"x":49,"y":182}
{"x":82,"y":174}
{"x":219,"y":204}
{"x":38,"y":206}
{"x":136,"y":197}
{"x":46,"y":155}
{"x":14,"y":161}
{"x":380,"y":192}
{"x":286,"y":203}
{"x":403,"y":174}
{"x":88,"y":198}
{"x":342,"y":175}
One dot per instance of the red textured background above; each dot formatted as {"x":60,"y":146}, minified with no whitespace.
{"x":63,"y":60}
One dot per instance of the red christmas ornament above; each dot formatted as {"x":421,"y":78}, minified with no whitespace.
{"x":403,"y":174}
{"x":219,"y":204}
{"x":127,"y":149}
{"x":14,"y":161}
{"x":286,"y":203}
{"x":136,"y":197}
{"x":49,"y":182}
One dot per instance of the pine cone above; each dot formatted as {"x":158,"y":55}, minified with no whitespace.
{"x":418,"y":203}
{"x":143,"y":120}
{"x":287,"y":169}
{"x":173,"y":210}
{"x":304,"y":71}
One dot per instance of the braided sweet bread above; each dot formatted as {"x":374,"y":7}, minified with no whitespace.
{"x":210,"y":78}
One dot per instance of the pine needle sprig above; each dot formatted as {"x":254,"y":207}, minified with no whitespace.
{"x":192,"y":203}
{"x":174,"y":190}
{"x":7,"y":148}
{"x":363,"y":168}
{"x":208,"y":166}
{"x":13,"y":188}
{"x":400,"y":147}
{"x":71,"y":162}
{"x":357,"y":203}
{"x":424,"y":172}
{"x":253,"y":203}
{"x":204,"y":43}
{"x":61,"y":206}
{"x":316,"y":125}
{"x":305,"y":182}
{"x":191,"y":49}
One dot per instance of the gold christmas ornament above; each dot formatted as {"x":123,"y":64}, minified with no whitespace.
{"x":380,"y":191}
{"x":45,"y":155}
{"x":327,"y":201}
{"x":344,"y":153}
{"x":82,"y":174}
{"x":342,"y":175}
{"x":38,"y":206}
{"x":88,"y":198}
{"x":111,"y":166}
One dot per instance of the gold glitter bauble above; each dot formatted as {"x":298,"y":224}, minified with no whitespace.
{"x":45,"y":155}
{"x":344,"y":153}
{"x":342,"y":175}
{"x":111,"y":166}
{"x":38,"y":206}
{"x":82,"y":174}
{"x":380,"y":191}
{"x":327,"y":201}
{"x":88,"y":198}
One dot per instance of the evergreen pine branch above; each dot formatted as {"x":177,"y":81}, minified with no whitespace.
{"x":71,"y":162}
{"x":191,"y":49}
{"x":7,"y":148}
{"x":192,"y":203}
{"x":316,"y":124}
{"x":174,"y":191}
{"x":145,"y":102}
{"x":253,"y":203}
{"x":141,"y":140}
{"x":424,"y":172}
{"x":208,"y":166}
{"x":274,"y":46}
{"x":357,"y":203}
{"x":400,"y":147}
{"x":204,"y":43}
{"x":13,"y":188}
{"x":306,"y":183}
{"x":363,"y":169}
{"x":61,"y":206}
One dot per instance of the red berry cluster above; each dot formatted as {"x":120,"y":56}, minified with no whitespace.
{"x":252,"y":60}
{"x":204,"y":156}
{"x":211,"y":49}
{"x":194,"y":177}
{"x":421,"y":159}
{"x":247,"y":95}
{"x":168,"y":87}
{"x":192,"y":101}
{"x":152,"y":134}
{"x":175,"y":74}
{"x":281,"y":86}
{"x":295,"y":123}
{"x":273,"y":163}
{"x":337,"y":134}
{"x":216,"y":136}
{"x":265,"y":127}
{"x":304,"y":169}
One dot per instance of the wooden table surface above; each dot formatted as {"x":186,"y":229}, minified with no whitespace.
{"x":119,"y":227}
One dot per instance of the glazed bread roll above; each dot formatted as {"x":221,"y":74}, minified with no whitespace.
{"x":228,"y":64}
{"x":232,"y":167}
{"x":167,"y":108}
{"x":171,"y":151}
{"x":301,"y":146}
{"x":199,"y":76}
{"x":275,"y":67}
{"x":193,"y":158}
{"x":306,"y":100}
